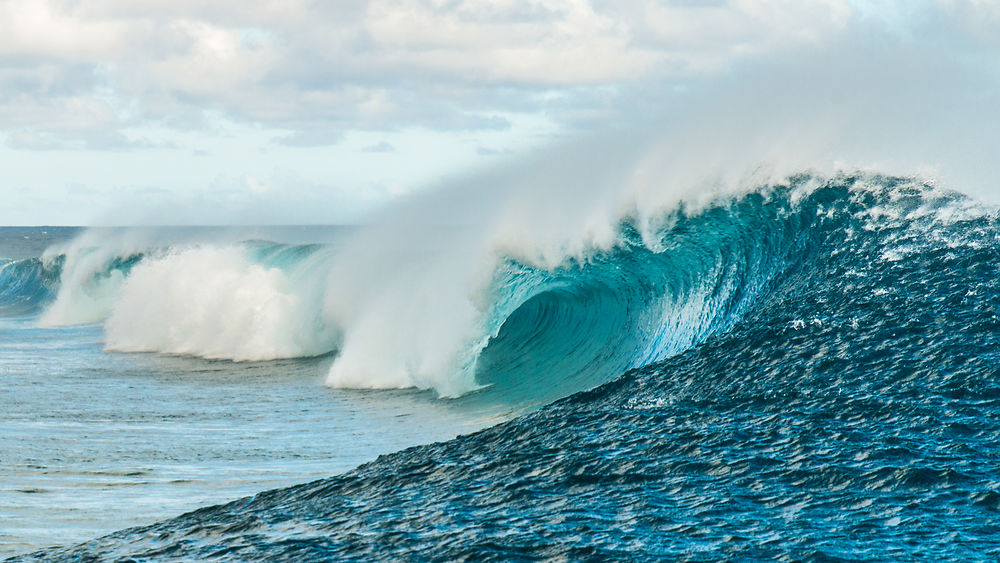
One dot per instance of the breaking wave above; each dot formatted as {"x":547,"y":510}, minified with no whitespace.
{"x":447,"y":311}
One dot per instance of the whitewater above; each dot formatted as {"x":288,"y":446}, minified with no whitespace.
{"x":751,"y":329}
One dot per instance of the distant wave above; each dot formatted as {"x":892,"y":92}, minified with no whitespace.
{"x":26,"y":286}
{"x":251,"y":301}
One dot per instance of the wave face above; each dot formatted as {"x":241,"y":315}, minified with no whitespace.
{"x":832,"y":395}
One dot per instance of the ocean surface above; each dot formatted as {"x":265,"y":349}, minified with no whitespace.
{"x":802,"y":370}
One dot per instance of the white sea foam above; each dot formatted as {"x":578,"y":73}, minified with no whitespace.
{"x":88,"y":287}
{"x":215,"y":303}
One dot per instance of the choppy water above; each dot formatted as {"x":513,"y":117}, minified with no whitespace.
{"x":806,"y":371}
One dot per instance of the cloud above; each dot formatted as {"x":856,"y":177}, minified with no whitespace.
{"x":26,"y":139}
{"x":383,"y":147}
{"x":487,"y":151}
{"x":315,"y":70}
{"x":980,"y":17}
{"x":310,"y":138}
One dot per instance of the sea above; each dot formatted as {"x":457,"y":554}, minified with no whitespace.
{"x":806,"y":369}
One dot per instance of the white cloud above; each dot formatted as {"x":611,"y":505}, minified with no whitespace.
{"x":380,"y":147}
{"x":318,"y":69}
{"x":48,"y":29}
{"x":369,"y":93}
{"x":534,"y":43}
{"x":980,"y":17}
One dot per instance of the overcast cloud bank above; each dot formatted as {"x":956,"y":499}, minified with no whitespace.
{"x":224,"y":103}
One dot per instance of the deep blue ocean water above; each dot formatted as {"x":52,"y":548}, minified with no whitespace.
{"x":808,"y":371}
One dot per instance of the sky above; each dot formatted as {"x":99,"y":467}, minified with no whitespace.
{"x":322,"y":112}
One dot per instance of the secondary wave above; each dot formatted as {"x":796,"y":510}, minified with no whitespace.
{"x":251,"y":301}
{"x":216,"y":303}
